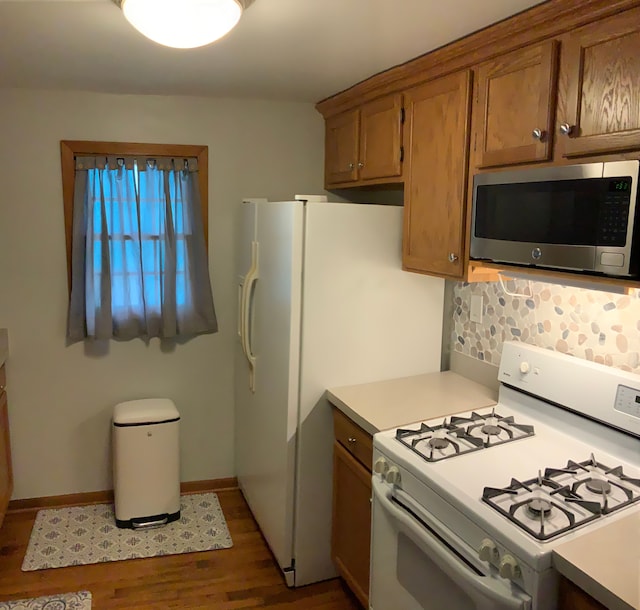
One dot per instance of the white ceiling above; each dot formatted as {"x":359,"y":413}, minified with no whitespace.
{"x":303,"y":50}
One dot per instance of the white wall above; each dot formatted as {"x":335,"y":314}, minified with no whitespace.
{"x":61,"y":398}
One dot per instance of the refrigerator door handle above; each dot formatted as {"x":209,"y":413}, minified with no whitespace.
{"x":245,"y":324}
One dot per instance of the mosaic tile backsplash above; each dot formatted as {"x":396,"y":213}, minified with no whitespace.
{"x":598,"y":326}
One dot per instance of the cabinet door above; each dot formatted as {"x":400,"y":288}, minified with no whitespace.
{"x":599,"y":96}
{"x":351,"y":526}
{"x":515,"y":100}
{"x":572,"y":597}
{"x":6,"y":476}
{"x":381,"y":138}
{"x":341,"y":147}
{"x":437,"y":133}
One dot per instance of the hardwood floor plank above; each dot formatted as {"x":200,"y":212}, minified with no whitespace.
{"x":242,"y":577}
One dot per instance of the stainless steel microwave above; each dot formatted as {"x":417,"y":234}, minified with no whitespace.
{"x":577,"y":218}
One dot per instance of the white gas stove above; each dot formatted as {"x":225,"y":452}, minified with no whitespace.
{"x":480,"y":499}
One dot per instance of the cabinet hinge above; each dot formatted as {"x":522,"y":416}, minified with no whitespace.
{"x":402,"y":117}
{"x":475,"y":140}
{"x":401,"y":154}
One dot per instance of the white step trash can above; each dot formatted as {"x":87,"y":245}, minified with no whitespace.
{"x":146,"y":463}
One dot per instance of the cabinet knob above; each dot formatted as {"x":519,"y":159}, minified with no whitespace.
{"x":360,"y":164}
{"x":453,"y":257}
{"x":566,"y":129}
{"x":539,"y":134}
{"x":351,"y":165}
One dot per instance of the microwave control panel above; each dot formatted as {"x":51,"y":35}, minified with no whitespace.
{"x":614,"y":214}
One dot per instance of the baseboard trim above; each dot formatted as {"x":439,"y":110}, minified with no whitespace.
{"x":101,"y":497}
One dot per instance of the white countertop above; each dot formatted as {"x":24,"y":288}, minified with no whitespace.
{"x":388,"y":404}
{"x":605,"y":563}
{"x":4,"y":345}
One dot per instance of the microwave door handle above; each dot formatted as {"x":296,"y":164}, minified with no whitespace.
{"x":481,"y":589}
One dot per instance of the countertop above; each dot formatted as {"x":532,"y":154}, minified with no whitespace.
{"x":4,"y":345}
{"x":388,"y":404}
{"x":605,"y":563}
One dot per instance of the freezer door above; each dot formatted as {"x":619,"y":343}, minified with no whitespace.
{"x":267,"y":398}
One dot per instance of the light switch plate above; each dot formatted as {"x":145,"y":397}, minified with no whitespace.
{"x":476,"y":307}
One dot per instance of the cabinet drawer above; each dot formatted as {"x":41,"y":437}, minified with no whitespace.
{"x":353,"y":438}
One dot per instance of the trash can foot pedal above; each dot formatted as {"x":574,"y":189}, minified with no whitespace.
{"x":147,"y":523}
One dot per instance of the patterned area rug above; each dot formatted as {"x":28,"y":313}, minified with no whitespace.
{"x":63,"y":601}
{"x":88,"y":534}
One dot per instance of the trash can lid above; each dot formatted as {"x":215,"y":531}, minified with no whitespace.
{"x":145,"y":411}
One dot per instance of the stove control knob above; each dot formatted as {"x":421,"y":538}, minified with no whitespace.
{"x":381,"y":466}
{"x":393,"y":476}
{"x":524,"y":368}
{"x":488,"y":551}
{"x":509,"y":568}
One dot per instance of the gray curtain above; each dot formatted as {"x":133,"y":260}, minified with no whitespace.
{"x":139,"y":259}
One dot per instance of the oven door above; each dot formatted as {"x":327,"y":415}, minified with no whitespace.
{"x":418,"y":565}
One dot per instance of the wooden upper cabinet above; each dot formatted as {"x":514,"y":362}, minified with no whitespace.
{"x":364,"y":145}
{"x":437,"y":139}
{"x":341,"y":147}
{"x":381,"y":138}
{"x":599,"y":94}
{"x":515,"y":100}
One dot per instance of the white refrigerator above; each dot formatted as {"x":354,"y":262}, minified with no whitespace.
{"x":322,"y":302}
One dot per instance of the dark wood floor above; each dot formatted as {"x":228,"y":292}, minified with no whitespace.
{"x":244,"y":576}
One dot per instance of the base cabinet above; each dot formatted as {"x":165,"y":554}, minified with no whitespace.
{"x":351,"y":526}
{"x":573,"y":597}
{"x":6,"y":473}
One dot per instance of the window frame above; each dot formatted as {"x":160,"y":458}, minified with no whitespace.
{"x":69,"y":149}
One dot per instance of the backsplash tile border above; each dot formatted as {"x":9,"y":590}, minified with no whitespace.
{"x":599,"y":326}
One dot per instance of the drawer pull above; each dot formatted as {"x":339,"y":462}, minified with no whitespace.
{"x":351,"y":440}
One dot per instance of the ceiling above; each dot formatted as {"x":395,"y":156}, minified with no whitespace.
{"x":299,"y":50}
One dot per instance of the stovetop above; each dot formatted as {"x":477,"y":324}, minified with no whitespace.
{"x":550,"y":452}
{"x":556,"y":500}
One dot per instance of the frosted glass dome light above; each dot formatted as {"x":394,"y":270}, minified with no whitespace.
{"x":183,"y":24}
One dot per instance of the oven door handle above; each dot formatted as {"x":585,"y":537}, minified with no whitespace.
{"x":480,"y":588}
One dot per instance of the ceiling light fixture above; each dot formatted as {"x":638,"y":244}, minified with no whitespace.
{"x":183,"y":24}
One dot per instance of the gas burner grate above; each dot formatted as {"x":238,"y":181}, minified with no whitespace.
{"x":610,"y":487}
{"x":564,"y":498}
{"x":516,"y":501}
{"x":462,"y":435}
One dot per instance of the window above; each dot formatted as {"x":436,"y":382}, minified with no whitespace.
{"x":136,"y":240}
